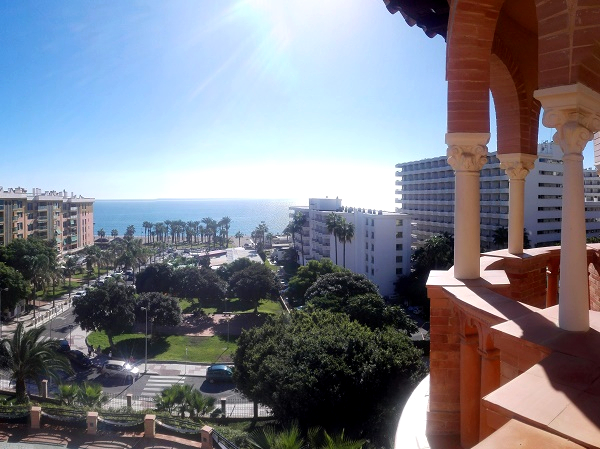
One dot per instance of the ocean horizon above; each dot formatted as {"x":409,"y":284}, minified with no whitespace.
{"x":245,"y":214}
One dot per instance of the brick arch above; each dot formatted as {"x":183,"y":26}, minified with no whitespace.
{"x":517,"y":113}
{"x":468,"y":64}
{"x":568,"y":35}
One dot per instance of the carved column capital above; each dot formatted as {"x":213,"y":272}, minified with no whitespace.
{"x":517,"y":165}
{"x":467,"y":151}
{"x":574,"y":111}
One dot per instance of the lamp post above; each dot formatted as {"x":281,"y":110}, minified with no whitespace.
{"x":146,"y":341}
{"x":5,"y":289}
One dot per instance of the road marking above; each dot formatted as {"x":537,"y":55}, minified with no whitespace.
{"x":156,"y":384}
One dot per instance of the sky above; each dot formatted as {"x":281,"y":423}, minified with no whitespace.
{"x":218,"y":99}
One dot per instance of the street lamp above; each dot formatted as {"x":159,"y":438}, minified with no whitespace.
{"x":146,"y":340}
{"x":5,"y":289}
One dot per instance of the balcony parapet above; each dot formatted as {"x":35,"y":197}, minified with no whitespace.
{"x":501,"y":331}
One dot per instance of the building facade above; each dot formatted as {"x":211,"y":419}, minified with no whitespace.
{"x":425,"y":191}
{"x":69,"y":219}
{"x":380,"y":248}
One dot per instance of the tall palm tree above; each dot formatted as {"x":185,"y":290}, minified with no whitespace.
{"x":114,"y":233}
{"x":25,"y":357}
{"x":333,"y":222}
{"x":211,"y":228}
{"x":239,"y":235}
{"x":225,"y":224}
{"x":130,"y":231}
{"x":101,"y":233}
{"x":69,"y":270}
{"x":298,"y":222}
{"x":345,"y":234}
{"x":147,"y":227}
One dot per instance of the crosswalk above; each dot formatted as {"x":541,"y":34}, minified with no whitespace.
{"x":156,"y":384}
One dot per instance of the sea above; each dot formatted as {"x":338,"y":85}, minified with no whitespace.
{"x":245,"y":214}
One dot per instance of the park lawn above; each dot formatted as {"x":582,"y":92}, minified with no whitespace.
{"x":169,"y":348}
{"x":233,"y":305}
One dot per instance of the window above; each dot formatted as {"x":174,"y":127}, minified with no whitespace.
{"x":398,"y":246}
{"x":372,"y":259}
{"x":398,"y":222}
{"x":399,"y":234}
{"x":372,"y":247}
{"x":372,"y":235}
{"x":372,"y":222}
{"x":398,"y":259}
{"x":372,"y":271}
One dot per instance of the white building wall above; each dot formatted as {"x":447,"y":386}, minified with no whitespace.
{"x":380,"y":248}
{"x":426,"y":192}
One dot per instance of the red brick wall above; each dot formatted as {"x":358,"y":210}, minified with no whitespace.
{"x":527,"y":279}
{"x":444,"y":366}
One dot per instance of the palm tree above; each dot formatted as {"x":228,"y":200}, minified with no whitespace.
{"x":333,"y":222}
{"x":501,"y":237}
{"x":114,"y":233}
{"x":25,"y":357}
{"x":69,"y":270}
{"x":101,"y":233}
{"x":298,"y":222}
{"x":211,"y":228}
{"x":130,"y":231}
{"x":239,"y":235}
{"x":147,"y":227}
{"x":225,"y":224}
{"x":345,"y":234}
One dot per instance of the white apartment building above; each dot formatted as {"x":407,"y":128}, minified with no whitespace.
{"x":425,"y":191}
{"x":380,"y":248}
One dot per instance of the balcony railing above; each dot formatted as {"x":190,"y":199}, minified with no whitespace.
{"x":498,"y":354}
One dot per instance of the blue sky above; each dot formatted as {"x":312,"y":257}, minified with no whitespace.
{"x":215,"y":99}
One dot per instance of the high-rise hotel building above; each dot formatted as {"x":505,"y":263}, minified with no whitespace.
{"x":69,"y":219}
{"x":425,"y":191}
{"x":380,"y":248}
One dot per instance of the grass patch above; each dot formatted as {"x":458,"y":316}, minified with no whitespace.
{"x":233,"y":305}
{"x":164,"y":348}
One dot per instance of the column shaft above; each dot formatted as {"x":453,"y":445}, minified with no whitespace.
{"x":467,"y":225}
{"x":516,"y":212}
{"x":573,"y":313}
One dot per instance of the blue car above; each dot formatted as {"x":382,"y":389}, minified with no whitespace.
{"x":219,"y":373}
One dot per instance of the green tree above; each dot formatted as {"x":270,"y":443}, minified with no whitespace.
{"x":17,"y":288}
{"x":202,"y":283}
{"x":227,"y":270}
{"x":162,"y":309}
{"x":306,"y":276}
{"x":239,"y":235}
{"x":254,"y":283}
{"x":69,"y":270}
{"x":130,"y":231}
{"x":322,"y":368}
{"x":114,"y":233}
{"x":345,"y":234}
{"x":110,"y":308}
{"x":25,"y":358}
{"x":101,"y":233}
{"x":501,"y":237}
{"x":333,"y":223}
{"x":184,"y":398}
{"x":341,"y":285}
{"x":437,"y":253}
{"x":155,"y":278}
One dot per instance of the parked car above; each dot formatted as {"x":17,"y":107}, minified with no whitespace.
{"x":219,"y":373}
{"x":121,"y":369}
{"x":79,"y":358}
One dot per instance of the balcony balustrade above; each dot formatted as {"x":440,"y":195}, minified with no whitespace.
{"x":498,"y":355}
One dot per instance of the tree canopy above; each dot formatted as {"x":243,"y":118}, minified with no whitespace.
{"x":16,"y":285}
{"x":202,"y":283}
{"x":306,"y":276}
{"x":323,"y":369}
{"x":162,"y":309}
{"x":155,"y":278}
{"x":110,"y":308}
{"x":254,"y":283}
{"x":341,"y":285}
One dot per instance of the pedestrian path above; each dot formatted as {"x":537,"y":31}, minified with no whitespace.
{"x":156,"y":384}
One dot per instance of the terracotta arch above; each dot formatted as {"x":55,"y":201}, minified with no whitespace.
{"x":517,"y":113}
{"x":468,"y":64}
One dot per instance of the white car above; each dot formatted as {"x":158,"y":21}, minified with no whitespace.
{"x":121,"y":369}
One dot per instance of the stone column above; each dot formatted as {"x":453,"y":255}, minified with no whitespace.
{"x":92,"y":423}
{"x":573,"y":111}
{"x":206,"y":437}
{"x":490,"y":381}
{"x":470,"y":390}
{"x":35,"y":415}
{"x":517,"y":167}
{"x":150,"y":426}
{"x":44,"y":392}
{"x":467,"y":154}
